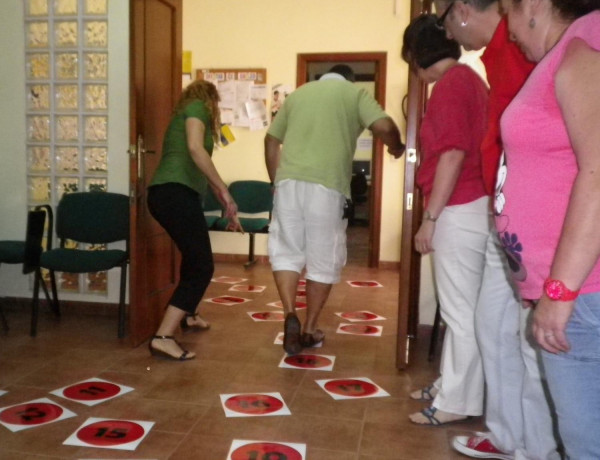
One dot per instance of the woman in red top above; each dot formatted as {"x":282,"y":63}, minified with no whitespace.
{"x":456,"y":223}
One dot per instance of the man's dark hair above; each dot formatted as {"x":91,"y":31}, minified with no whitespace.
{"x":343,"y":70}
{"x":425,"y":43}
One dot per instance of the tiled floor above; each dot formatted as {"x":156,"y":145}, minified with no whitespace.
{"x":236,"y":355}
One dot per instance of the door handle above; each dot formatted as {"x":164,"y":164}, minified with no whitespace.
{"x":138,"y":151}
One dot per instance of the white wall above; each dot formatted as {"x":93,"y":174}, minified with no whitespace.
{"x":224,"y":33}
{"x":13,"y":170}
{"x":269,"y":34}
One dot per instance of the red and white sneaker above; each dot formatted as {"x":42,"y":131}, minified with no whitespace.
{"x":479,"y":447}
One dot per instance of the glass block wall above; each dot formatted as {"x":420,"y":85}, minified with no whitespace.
{"x":66,"y":57}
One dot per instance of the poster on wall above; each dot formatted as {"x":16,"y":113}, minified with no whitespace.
{"x":278,"y":94}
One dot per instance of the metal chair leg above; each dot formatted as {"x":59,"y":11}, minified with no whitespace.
{"x":435,"y":332}
{"x":3,"y":320}
{"x":55,"y":304}
{"x":35,"y":303}
{"x":121,"y":327}
{"x":251,"y":259}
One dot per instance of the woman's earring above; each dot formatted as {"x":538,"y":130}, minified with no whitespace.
{"x":531,"y":23}
{"x":463,"y":24}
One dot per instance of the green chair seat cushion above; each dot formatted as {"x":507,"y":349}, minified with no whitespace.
{"x":250,"y":224}
{"x":210,"y":220}
{"x":79,"y":261}
{"x":12,"y":252}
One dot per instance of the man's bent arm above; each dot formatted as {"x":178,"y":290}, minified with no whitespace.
{"x":386,"y":130}
{"x":272,"y":155}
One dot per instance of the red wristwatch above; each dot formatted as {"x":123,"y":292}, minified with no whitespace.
{"x":556,"y":290}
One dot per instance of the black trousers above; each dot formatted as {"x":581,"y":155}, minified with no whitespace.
{"x":178,"y":209}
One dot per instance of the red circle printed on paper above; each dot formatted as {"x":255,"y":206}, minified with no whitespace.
{"x":351,"y":387}
{"x":111,"y":432}
{"x":359,"y":315}
{"x":91,"y":391}
{"x":265,"y":451}
{"x":308,"y":361}
{"x":359,"y":329}
{"x":268,"y":315}
{"x":365,"y":283}
{"x":254,"y":404}
{"x":31,"y":413}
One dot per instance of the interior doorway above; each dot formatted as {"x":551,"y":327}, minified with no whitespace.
{"x":364,"y":226}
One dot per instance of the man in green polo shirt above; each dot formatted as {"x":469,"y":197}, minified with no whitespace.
{"x":318,"y":126}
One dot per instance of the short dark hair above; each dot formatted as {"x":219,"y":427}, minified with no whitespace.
{"x":425,"y":43}
{"x":479,"y":5}
{"x":343,"y":70}
{"x":573,"y":9}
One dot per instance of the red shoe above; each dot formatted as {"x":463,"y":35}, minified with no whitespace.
{"x":479,"y":447}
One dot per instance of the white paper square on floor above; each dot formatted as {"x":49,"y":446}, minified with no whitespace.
{"x":261,"y":316}
{"x":352,"y":388}
{"x":308,"y":361}
{"x":262,"y":450}
{"x":365,"y":284}
{"x":92,"y":391}
{"x":106,"y":433}
{"x":229,"y":279}
{"x":362,"y":315}
{"x":254,"y":405}
{"x":247,"y":288}
{"x":300,"y":304}
{"x":360,"y":329}
{"x":32,"y":414}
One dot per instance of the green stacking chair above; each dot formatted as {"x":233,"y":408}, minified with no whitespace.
{"x":210,"y":204}
{"x":89,"y":218}
{"x":252,"y":197}
{"x":28,"y":252}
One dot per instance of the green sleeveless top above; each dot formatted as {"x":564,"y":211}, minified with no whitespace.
{"x":176,"y":164}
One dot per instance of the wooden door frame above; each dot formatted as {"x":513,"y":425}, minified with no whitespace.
{"x":380,"y":61}
{"x":410,"y":260}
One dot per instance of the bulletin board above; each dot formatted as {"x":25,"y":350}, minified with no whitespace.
{"x":243,"y":93}
{"x":256,"y":75}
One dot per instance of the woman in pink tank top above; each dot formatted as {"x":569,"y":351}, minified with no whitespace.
{"x":548,"y":209}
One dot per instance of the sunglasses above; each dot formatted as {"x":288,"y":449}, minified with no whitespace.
{"x":440,"y":22}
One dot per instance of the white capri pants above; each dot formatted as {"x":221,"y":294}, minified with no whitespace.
{"x":308,"y":230}
{"x":459,"y":244}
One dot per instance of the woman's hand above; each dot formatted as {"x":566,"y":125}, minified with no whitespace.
{"x":550,"y":320}
{"x":424,"y":237}
{"x":230,"y":208}
{"x":234,"y":225}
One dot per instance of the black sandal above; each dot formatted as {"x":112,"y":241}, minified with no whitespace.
{"x":194,"y":327}
{"x":164,"y":354}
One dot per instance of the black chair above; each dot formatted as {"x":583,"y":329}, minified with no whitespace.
{"x":28,"y":252}
{"x":89,"y":218}
{"x":359,"y":188}
{"x":252,"y":197}
{"x":435,"y":332}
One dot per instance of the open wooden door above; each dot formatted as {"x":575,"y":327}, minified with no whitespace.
{"x":410,"y":262}
{"x":156,"y":31}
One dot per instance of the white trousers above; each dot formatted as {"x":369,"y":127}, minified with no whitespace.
{"x":459,"y":245}
{"x":517,"y":409}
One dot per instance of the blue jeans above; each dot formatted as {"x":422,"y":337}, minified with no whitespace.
{"x":574,"y":381}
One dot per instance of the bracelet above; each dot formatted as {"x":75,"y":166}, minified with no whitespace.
{"x":427,"y":216}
